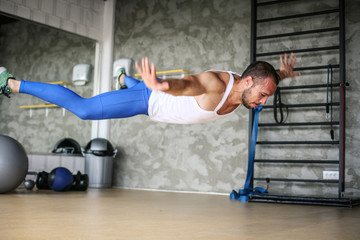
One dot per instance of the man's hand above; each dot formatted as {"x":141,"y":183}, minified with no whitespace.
{"x":149,"y":76}
{"x":207,"y":83}
{"x":287,"y":67}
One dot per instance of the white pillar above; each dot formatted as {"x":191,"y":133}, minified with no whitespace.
{"x":104,"y":52}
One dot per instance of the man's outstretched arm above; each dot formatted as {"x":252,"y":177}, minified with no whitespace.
{"x":190,"y":85}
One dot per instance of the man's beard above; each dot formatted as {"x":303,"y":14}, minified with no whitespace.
{"x":246,"y":94}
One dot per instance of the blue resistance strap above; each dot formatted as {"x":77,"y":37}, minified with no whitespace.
{"x":245,"y":193}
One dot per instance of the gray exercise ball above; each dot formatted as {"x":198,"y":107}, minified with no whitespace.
{"x":13,"y":164}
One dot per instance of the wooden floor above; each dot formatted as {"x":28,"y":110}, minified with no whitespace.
{"x":129,"y":214}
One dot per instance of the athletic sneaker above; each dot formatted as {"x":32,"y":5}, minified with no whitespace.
{"x":4,"y":76}
{"x":120,"y":72}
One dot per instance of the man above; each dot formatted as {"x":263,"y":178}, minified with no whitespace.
{"x":193,"y":99}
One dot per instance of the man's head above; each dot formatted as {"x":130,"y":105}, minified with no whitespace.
{"x":261,"y":82}
{"x":259,"y":70}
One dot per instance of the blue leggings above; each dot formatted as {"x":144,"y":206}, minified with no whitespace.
{"x":115,"y":104}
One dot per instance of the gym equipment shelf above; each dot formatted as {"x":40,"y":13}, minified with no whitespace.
{"x":339,"y":31}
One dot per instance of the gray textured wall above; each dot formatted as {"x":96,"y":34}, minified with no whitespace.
{"x":213,"y":157}
{"x":196,"y":36}
{"x":42,"y":54}
{"x":352,"y":98}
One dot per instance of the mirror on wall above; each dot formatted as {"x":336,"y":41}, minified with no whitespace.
{"x":36,"y":52}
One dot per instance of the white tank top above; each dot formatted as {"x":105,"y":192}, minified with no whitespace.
{"x":167,"y":108}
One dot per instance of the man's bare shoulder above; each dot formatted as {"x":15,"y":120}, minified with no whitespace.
{"x":214,"y":81}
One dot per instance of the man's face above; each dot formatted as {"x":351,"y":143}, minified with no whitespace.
{"x":258,"y":94}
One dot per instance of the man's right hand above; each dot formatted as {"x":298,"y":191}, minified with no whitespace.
{"x":148,"y":74}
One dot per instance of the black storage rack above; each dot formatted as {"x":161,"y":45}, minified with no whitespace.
{"x":340,"y":144}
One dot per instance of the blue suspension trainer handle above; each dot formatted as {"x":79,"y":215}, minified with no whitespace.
{"x":244,"y":194}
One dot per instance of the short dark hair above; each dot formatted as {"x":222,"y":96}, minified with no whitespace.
{"x":260,"y":70}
